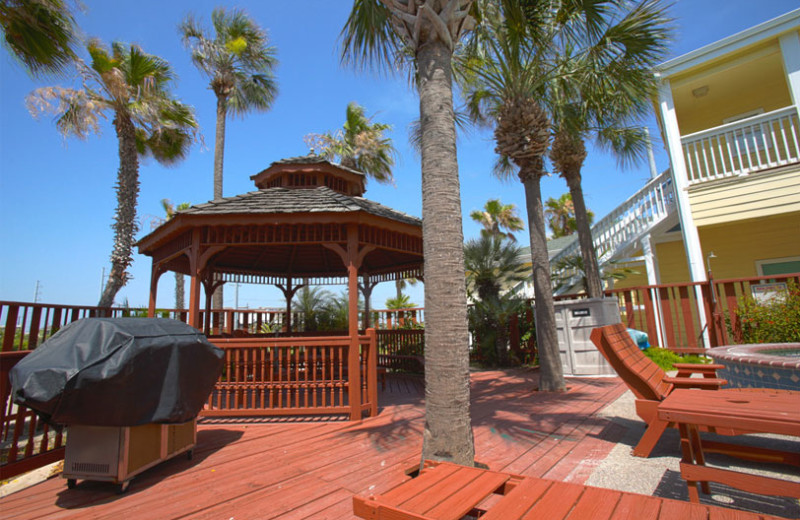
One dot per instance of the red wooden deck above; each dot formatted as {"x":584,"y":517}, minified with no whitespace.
{"x":297,"y":468}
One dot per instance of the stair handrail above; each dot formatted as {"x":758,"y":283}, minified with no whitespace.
{"x":627,"y":222}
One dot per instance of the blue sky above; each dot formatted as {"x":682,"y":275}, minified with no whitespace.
{"x":56,"y":194}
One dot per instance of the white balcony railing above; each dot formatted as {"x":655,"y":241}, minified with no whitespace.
{"x":750,"y":145}
{"x":627,"y":223}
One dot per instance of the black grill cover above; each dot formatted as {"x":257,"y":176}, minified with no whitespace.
{"x":118,"y":372}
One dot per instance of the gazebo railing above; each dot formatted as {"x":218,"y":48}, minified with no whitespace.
{"x":294,"y":376}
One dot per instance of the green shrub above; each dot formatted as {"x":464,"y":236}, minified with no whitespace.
{"x":665,"y":358}
{"x":774,"y":321}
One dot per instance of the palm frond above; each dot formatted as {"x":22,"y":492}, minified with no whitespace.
{"x":368,"y":38}
{"x":41,"y":34}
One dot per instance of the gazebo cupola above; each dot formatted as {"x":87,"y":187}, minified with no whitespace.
{"x":311,"y":171}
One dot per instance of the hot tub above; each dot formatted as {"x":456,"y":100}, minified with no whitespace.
{"x":768,"y":365}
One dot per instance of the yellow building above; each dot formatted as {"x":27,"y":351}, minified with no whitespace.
{"x":729,"y":117}
{"x":728,"y":114}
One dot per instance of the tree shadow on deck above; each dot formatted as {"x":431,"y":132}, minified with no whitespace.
{"x":504,"y":401}
{"x":89,"y":493}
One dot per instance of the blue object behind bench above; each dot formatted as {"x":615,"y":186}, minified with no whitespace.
{"x":640,"y":338}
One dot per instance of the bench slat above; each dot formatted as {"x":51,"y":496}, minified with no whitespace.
{"x":518,"y":501}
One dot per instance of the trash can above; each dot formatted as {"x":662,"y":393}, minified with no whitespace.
{"x":575,"y":320}
{"x":127,"y":389}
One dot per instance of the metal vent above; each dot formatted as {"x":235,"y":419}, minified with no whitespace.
{"x":89,"y":467}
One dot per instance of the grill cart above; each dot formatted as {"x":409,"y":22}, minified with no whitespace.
{"x":128,"y":390}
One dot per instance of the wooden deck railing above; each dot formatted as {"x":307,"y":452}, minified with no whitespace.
{"x":402,"y":349}
{"x":26,"y":442}
{"x":295,"y":376}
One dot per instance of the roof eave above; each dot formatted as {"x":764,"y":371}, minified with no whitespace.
{"x":769,"y":29}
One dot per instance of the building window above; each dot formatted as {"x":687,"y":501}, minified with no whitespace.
{"x":777,"y":266}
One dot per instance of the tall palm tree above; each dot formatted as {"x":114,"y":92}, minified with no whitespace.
{"x":613,"y":58}
{"x":134,"y":87}
{"x":498,"y":219}
{"x":239,"y":62}
{"x":506,"y":76}
{"x":360,"y":145}
{"x":41,"y":34}
{"x":423,"y":36}
{"x":170,"y":210}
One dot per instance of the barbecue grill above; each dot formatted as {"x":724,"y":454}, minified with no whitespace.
{"x":128,"y":389}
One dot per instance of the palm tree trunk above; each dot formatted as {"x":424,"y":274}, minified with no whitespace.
{"x":594,"y":284}
{"x":180,"y":291}
{"x":551,"y":374}
{"x":124,"y":226}
{"x":217,"y":301}
{"x":448,"y":431}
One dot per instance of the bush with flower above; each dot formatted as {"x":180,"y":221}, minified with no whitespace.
{"x":776,"y":320}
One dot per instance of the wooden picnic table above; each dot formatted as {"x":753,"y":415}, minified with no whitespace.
{"x":445,"y":491}
{"x":755,"y":412}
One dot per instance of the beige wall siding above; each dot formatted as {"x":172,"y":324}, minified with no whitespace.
{"x":753,"y":196}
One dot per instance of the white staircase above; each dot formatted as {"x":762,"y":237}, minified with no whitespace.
{"x":618,"y":232}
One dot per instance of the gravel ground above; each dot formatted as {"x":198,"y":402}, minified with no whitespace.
{"x":659,"y":475}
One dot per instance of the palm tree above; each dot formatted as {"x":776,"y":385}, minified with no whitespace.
{"x":41,"y":34}
{"x":610,"y":91}
{"x":403,"y":301}
{"x":560,"y":214}
{"x":170,"y":210}
{"x":134,"y":87}
{"x":311,"y":302}
{"x":497,"y":217}
{"x":360,"y":145}
{"x":425,"y":34}
{"x":506,"y":76}
{"x":493,"y":264}
{"x":239,"y":62}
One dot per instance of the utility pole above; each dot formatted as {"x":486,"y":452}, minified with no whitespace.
{"x":102,"y":282}
{"x":36,"y":292}
{"x":651,"y":158}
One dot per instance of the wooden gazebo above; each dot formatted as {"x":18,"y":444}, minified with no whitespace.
{"x":307,"y":224}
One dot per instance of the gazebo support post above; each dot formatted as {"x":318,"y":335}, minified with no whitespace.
{"x":288,"y":294}
{"x":353,"y":364}
{"x":366,"y":290}
{"x":212,"y":326}
{"x":209,"y":293}
{"x":352,"y":258}
{"x":155,"y":273}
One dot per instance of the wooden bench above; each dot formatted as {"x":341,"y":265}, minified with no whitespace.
{"x":445,"y":491}
{"x":648,"y":382}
